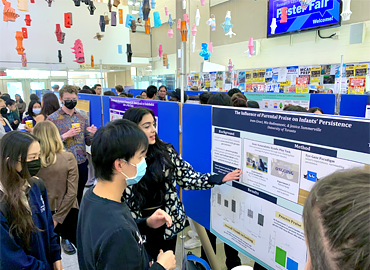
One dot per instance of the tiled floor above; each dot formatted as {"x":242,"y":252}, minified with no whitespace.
{"x":70,"y":261}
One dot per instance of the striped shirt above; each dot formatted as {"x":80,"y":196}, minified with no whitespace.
{"x":77,"y":144}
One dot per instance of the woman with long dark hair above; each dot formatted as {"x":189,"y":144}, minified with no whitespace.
{"x":157,"y":189}
{"x":27,"y":233}
{"x":34,"y":109}
{"x":49,"y":105}
{"x":21,"y":105}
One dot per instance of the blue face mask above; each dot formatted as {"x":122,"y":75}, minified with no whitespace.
{"x":36,"y":111}
{"x":140,"y":172}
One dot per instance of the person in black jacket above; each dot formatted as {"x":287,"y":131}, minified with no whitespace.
{"x":27,"y":233}
{"x":107,"y":236}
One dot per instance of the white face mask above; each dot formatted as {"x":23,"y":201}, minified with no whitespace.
{"x":140,"y":172}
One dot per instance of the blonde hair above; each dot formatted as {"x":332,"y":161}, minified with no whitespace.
{"x":50,"y":142}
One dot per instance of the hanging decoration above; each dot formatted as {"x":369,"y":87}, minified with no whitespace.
{"x":284,"y":15}
{"x":183,"y":31}
{"x":19,"y":37}
{"x":60,"y":58}
{"x":106,"y":18}
{"x":273,"y":26}
{"x":28,"y":20}
{"x":197,"y":17}
{"x":152,"y":3}
{"x":160,"y":50}
{"x":98,"y":36}
{"x":170,"y":33}
{"x":109,"y":5}
{"x":179,"y":24}
{"x":129,"y":18}
{"x":77,"y":2}
{"x":170,"y":21}
{"x":251,"y":46}
{"x":113,"y":19}
{"x":141,"y":10}
{"x":68,"y":20}
{"x":92,"y":61}
{"x":227,"y":25}
{"x":102,"y":23}
{"x":165,"y":60}
{"x":210,"y":47}
{"x":186,"y":18}
{"x":194,"y":33}
{"x":24,"y":60}
{"x":188,"y":31}
{"x":133,"y":26}
{"x":78,"y":52}
{"x":183,"y":4}
{"x":166,"y":11}
{"x":204,"y":52}
{"x":230,"y":33}
{"x":230,"y":66}
{"x":305,"y":3}
{"x":147,"y":26}
{"x":91,"y":7}
{"x":22,"y":5}
{"x":119,"y":49}
{"x":24,"y":32}
{"x":116,"y":3}
{"x":212,"y":22}
{"x":146,"y":9}
{"x":346,"y":13}
{"x":202,"y":2}
{"x":120,"y":15}
{"x":9,"y":14}
{"x":58,"y":32}
{"x":49,"y":2}
{"x":157,"y":19}
{"x":129,"y":53}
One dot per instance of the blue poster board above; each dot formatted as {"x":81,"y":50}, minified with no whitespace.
{"x":95,"y":108}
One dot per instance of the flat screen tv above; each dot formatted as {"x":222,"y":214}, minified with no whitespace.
{"x":291,"y":16}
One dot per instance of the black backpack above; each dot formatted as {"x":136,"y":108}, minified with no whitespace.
{"x":4,"y":207}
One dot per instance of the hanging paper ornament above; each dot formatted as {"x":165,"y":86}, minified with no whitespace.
{"x":251,"y":46}
{"x":170,"y":21}
{"x":197,"y":17}
{"x":129,"y":18}
{"x":22,"y":5}
{"x":24,"y":60}
{"x":92,"y":61}
{"x":146,"y":9}
{"x":188,"y":31}
{"x":141,"y":10}
{"x":120,"y":16}
{"x":24,"y":32}
{"x":230,"y":66}
{"x":129,"y":52}
{"x":106,"y":18}
{"x":194,"y":33}
{"x":183,"y":4}
{"x":183,"y":31}
{"x":210,"y":47}
{"x":153,"y":4}
{"x":19,"y":37}
{"x":102,"y":23}
{"x":49,"y":2}
{"x":77,"y":2}
{"x":202,"y":2}
{"x":91,"y":7}
{"x":273,"y":26}
{"x":58,"y":32}
{"x":166,"y":11}
{"x":109,"y":5}
{"x":157,"y":19}
{"x":116,"y":3}
{"x":160,"y":51}
{"x":27,"y":19}
{"x":60,"y":58}
{"x":346,"y":13}
{"x":9,"y":14}
{"x":227,"y":25}
{"x":98,"y":36}
{"x":305,"y":3}
{"x":170,"y":33}
{"x":147,"y":26}
{"x":68,"y":20}
{"x":204,"y":52}
{"x":186,"y":18}
{"x":165,"y":60}
{"x":79,"y":52}
{"x":284,"y":15}
{"x":179,"y":24}
{"x":113,"y":19}
{"x":212,"y":22}
{"x":133,"y":26}
{"x":119,"y":49}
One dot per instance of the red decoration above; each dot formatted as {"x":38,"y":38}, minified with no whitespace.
{"x":67,"y":20}
{"x":24,"y":32}
{"x":58,"y":32}
{"x":32,"y":1}
{"x":79,"y":52}
{"x":19,"y":38}
{"x":9,"y":12}
{"x":28,"y":20}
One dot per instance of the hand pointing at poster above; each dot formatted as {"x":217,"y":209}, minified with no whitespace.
{"x":234,"y":175}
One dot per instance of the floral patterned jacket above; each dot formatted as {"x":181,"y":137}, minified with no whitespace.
{"x":187,"y":178}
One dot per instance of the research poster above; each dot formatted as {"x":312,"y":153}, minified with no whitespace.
{"x":118,"y":106}
{"x":282,"y":155}
{"x":277,"y":102}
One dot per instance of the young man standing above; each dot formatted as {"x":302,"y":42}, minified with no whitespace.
{"x":120,"y":93}
{"x":107,"y":236}
{"x":151,"y":92}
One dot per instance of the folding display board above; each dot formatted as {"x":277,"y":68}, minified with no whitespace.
{"x":95,"y":108}
{"x":353,"y":105}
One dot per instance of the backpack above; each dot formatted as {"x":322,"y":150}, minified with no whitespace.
{"x":4,"y":207}
{"x":193,"y":262}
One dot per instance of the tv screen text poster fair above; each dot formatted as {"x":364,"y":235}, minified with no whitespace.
{"x":282,"y":155}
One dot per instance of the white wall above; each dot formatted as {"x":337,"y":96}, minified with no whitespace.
{"x":42,"y":45}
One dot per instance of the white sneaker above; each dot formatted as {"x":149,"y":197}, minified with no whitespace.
{"x":192,"y":243}
{"x":192,"y":234}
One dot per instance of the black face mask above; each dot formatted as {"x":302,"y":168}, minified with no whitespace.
{"x":34,"y":166}
{"x":3,"y":111}
{"x":70,"y":104}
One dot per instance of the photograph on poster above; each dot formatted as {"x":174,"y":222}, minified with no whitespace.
{"x":257,"y":162}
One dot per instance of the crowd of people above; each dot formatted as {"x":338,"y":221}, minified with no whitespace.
{"x":131,"y":216}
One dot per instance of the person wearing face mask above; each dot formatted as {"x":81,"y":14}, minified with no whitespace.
{"x":34,"y":109}
{"x":12,"y":114}
{"x":60,"y":172}
{"x":158,"y":188}
{"x":27,"y":233}
{"x":5,"y":125}
{"x":74,"y":131}
{"x":107,"y":236}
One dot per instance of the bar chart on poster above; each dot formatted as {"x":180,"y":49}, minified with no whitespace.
{"x":282,"y":155}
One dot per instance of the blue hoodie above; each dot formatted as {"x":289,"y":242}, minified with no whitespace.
{"x":44,"y":249}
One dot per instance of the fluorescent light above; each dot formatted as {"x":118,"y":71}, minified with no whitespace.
{"x":135,"y":12}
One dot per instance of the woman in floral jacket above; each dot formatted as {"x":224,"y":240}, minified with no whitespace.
{"x":157,"y":189}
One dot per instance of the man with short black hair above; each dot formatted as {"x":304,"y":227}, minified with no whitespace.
{"x":151,"y":92}
{"x":97,"y":88}
{"x":175,"y":95}
{"x":204,"y":97}
{"x":119,"y":89}
{"x":107,"y":236}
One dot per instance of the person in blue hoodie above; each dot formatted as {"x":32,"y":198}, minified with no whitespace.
{"x":27,"y":233}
